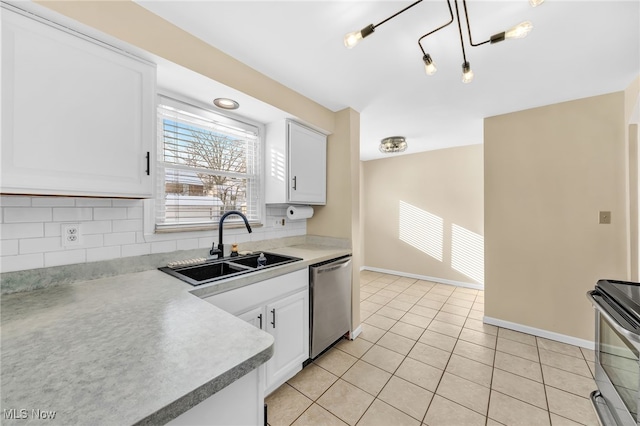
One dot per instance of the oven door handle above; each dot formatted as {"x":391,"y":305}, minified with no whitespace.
{"x":633,"y":337}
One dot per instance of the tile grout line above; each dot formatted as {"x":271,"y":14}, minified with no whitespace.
{"x":405,"y":310}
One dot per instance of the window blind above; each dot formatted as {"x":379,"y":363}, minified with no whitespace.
{"x":208,"y":164}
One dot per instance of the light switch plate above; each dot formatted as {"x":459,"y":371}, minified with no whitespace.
{"x":604,"y":218}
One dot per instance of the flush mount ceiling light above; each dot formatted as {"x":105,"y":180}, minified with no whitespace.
{"x":393,"y":144}
{"x":226,"y":103}
{"x":519,"y":31}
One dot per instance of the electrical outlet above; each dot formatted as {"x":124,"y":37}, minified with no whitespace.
{"x":70,"y":234}
{"x":604,"y":218}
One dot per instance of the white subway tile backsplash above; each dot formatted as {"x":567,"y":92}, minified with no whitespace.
{"x":119,"y":238}
{"x":189,"y":244}
{"x":21,"y":262}
{"x":163,"y":247}
{"x":52,"y":229}
{"x":93,"y":202}
{"x":123,"y":202}
{"x":27,"y":214}
{"x":205,"y":242}
{"x":40,"y":245}
{"x":103,"y":253}
{"x":127,"y":225}
{"x":101,"y":213}
{"x":92,"y":241}
{"x":9,"y":247}
{"x":135,"y":212}
{"x":12,"y":231}
{"x":136,"y":250}
{"x":15,"y":201}
{"x":109,"y":228}
{"x":72,"y":214}
{"x":53,"y":202}
{"x":65,"y":257}
{"x":96,"y":227}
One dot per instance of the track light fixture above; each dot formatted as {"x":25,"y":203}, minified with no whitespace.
{"x":429,"y":66}
{"x":352,"y":39}
{"x":519,"y":31}
{"x":467,"y":73}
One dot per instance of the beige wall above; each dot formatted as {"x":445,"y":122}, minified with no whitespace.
{"x":442,"y":196}
{"x":340,"y":217}
{"x":634,"y":203}
{"x":548,"y":172}
{"x":632,"y":118}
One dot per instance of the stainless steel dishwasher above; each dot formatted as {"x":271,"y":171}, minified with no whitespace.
{"x":330,"y":303}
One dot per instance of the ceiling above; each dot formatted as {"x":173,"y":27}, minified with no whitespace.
{"x":577,"y":49}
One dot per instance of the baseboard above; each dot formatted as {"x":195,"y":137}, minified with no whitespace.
{"x":563,"y":338}
{"x":355,"y":333}
{"x":424,"y":277}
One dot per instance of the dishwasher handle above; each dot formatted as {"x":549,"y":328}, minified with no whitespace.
{"x":340,"y":263}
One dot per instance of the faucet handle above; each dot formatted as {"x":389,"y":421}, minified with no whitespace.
{"x":216,"y":251}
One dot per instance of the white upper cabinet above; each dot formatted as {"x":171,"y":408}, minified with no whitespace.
{"x":78,"y":117}
{"x":296,"y":164}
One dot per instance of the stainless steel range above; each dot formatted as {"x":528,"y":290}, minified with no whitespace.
{"x":617,"y":305}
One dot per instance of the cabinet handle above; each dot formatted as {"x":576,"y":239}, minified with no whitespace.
{"x":260,"y":318}
{"x":295,"y":183}
{"x":148,"y":164}
{"x":273,"y":323}
{"x":265,"y":414}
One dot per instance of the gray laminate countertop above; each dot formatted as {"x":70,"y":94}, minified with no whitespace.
{"x":135,"y":348}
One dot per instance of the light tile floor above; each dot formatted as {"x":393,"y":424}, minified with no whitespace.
{"x":426,"y":358}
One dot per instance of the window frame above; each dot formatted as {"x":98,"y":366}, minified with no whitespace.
{"x":225,"y":118}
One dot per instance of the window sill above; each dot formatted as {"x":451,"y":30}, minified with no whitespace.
{"x":170,"y":229}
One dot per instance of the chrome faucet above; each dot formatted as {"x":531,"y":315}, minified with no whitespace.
{"x":220,"y":250}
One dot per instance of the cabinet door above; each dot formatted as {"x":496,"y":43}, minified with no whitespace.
{"x":254,"y":317}
{"x":307,"y":165}
{"x":288,"y":322}
{"x":78,"y":118}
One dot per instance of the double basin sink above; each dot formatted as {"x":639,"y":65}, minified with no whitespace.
{"x":218,"y":269}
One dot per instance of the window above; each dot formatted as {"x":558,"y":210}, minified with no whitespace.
{"x":209,"y":164}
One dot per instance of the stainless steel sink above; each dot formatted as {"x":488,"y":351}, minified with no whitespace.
{"x":218,"y":269}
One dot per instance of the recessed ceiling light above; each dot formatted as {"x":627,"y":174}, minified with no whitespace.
{"x":226,"y":103}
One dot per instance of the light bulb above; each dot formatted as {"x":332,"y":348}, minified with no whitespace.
{"x":519,"y":31}
{"x":429,"y":65}
{"x":535,"y":3}
{"x":352,"y":39}
{"x":467,"y":73}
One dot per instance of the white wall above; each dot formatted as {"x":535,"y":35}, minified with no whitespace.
{"x":30,"y":231}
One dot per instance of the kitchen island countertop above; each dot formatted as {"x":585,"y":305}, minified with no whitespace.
{"x":134,"y":348}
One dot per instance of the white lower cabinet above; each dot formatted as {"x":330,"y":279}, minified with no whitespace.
{"x":254,"y":317}
{"x":239,"y":404}
{"x":279,"y":306}
{"x":286,"y":323}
